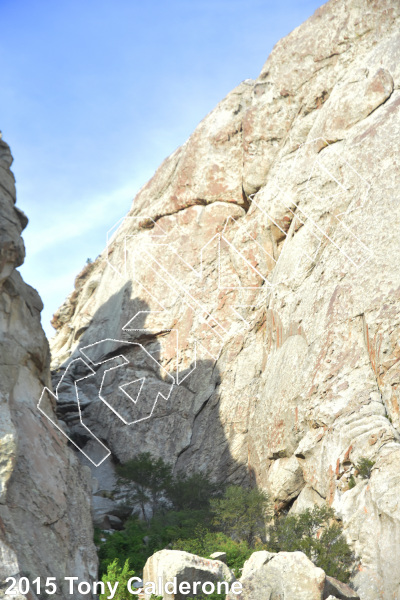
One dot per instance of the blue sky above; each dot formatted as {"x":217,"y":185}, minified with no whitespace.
{"x":95,"y":94}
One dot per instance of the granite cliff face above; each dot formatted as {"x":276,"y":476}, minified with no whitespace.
{"x":254,"y":289}
{"x":45,"y":495}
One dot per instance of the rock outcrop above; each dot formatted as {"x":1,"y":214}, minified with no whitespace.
{"x":176,"y":567}
{"x":45,"y":495}
{"x":337,"y":589}
{"x":286,"y":575}
{"x":265,"y":576}
{"x":251,"y":297}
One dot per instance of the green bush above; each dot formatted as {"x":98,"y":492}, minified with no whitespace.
{"x":166,"y":528}
{"x":352,"y":482}
{"x":150,"y":482}
{"x":192,"y":492}
{"x":161,"y":531}
{"x":241,"y":513}
{"x":193,"y":514}
{"x":204,"y":543}
{"x":124,"y":545}
{"x":148,"y":479}
{"x":122,"y":575}
{"x":364,"y":467}
{"x":313,"y":533}
{"x":179,"y":505}
{"x":333,"y":554}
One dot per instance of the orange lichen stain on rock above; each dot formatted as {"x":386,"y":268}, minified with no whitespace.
{"x":347,"y":453}
{"x":343,"y":386}
{"x":217,"y":188}
{"x":285,"y":222}
{"x":277,"y":334}
{"x":276,"y":433}
{"x":331,"y":486}
{"x":252,"y":259}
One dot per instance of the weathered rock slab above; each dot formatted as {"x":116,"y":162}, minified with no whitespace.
{"x":184,"y":567}
{"x":338,"y":589}
{"x":286,"y":575}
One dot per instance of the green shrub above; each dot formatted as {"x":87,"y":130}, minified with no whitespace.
{"x":364,"y":467}
{"x":166,"y":528}
{"x":192,"y":492}
{"x":241,"y":513}
{"x":204,"y":543}
{"x":352,"y":482}
{"x":122,"y":575}
{"x":124,"y":545}
{"x":333,"y":554}
{"x":313,"y":533}
{"x":150,"y":482}
{"x":161,"y":531}
{"x":193,"y":514}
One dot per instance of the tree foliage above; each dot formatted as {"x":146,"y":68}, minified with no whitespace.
{"x":192,"y":492}
{"x":352,"y":482}
{"x":241,"y":513}
{"x":172,"y":507}
{"x":149,"y":478}
{"x":364,"y":467}
{"x":205,"y":542}
{"x":314,"y":533}
{"x":191,"y":513}
{"x":114,"y":574}
{"x":123,"y":545}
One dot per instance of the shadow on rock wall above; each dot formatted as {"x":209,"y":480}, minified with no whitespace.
{"x":130,"y":401}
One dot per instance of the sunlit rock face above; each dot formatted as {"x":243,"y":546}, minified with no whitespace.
{"x":45,"y":495}
{"x":259,"y":270}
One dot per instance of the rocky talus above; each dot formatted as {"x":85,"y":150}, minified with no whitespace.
{"x":250,"y":300}
{"x":45,"y":494}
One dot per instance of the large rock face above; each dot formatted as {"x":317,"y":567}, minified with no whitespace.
{"x":45,"y":521}
{"x":168,"y":566}
{"x":286,"y":575}
{"x":254,"y":290}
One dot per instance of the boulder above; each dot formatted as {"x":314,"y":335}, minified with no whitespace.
{"x":166,"y":565}
{"x":286,"y":575}
{"x":100,"y":509}
{"x":113,"y":522}
{"x":334,"y":587}
{"x":307,"y":499}
{"x":285,"y":480}
{"x":219,"y":556}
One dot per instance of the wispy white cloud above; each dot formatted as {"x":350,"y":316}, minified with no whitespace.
{"x":92,"y":214}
